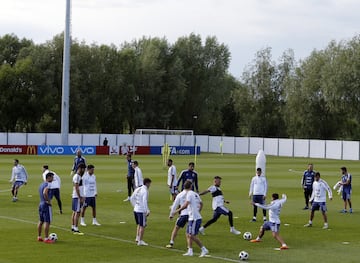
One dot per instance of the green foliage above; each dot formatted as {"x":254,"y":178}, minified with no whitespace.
{"x":113,"y":241}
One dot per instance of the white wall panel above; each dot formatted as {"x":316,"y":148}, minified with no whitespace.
{"x":333,"y":149}
{"x":203,"y":142}
{"x":173,"y":140}
{"x":3,"y":138}
{"x":242,"y":145}
{"x":157,"y":140}
{"x":271,"y":146}
{"x":301,"y":148}
{"x":75,"y":139}
{"x":317,"y":149}
{"x":124,"y":140}
{"x":36,"y":138}
{"x":350,"y":150}
{"x":142,"y":139}
{"x":91,"y":139}
{"x":286,"y":147}
{"x":189,"y":140}
{"x":228,"y":145}
{"x":17,"y":138}
{"x":214,"y":144}
{"x":53,"y":139}
{"x":256,"y":144}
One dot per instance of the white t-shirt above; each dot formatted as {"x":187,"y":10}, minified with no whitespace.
{"x":194,"y":205}
{"x":171,"y":174}
{"x":139,"y":199}
{"x":138,"y":178}
{"x":179,"y":201}
{"x":19,"y":174}
{"x":274,"y":209}
{"x":56,"y":182}
{"x":89,"y":185}
{"x":319,"y":191}
{"x":77,"y":180}
{"x":258,"y":185}
{"x":218,"y":198}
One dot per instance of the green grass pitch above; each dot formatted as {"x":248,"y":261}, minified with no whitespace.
{"x":113,"y":241}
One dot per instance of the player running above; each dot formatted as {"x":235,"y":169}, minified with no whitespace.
{"x":218,"y":206}
{"x":19,"y":177}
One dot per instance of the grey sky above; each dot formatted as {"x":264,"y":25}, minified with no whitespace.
{"x":245,"y":26}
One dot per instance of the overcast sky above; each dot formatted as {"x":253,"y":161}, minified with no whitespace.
{"x":245,"y":26}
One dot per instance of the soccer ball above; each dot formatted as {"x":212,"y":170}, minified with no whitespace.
{"x":243,"y":255}
{"x":247,"y":236}
{"x":53,"y":237}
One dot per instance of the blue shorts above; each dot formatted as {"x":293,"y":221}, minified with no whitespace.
{"x":271,"y":226}
{"x":76,"y":205}
{"x":258,"y":199}
{"x":182,"y":220}
{"x":193,"y":227}
{"x":221,"y":210}
{"x":318,"y":205}
{"x":17,"y":184}
{"x":45,"y":213}
{"x":346,"y":194}
{"x":140,"y":218}
{"x":90,"y":201}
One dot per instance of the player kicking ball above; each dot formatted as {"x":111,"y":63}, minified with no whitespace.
{"x":274,"y":220}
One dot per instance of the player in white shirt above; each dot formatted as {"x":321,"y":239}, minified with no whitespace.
{"x":258,"y":190}
{"x":182,"y":219}
{"x":54,"y":186}
{"x":218,"y":206}
{"x":77,"y":198}
{"x":318,"y":199}
{"x":18,"y":178}
{"x":274,"y":219}
{"x":138,"y":177}
{"x":139,"y":200}
{"x":90,"y":194}
{"x":172,"y":179}
{"x":194,"y":205}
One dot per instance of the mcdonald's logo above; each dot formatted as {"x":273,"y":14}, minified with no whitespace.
{"x":31,"y":149}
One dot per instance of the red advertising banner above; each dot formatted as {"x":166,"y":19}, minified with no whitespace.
{"x":102,"y":150}
{"x":18,"y":149}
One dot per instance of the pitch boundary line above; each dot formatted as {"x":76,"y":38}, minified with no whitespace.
{"x":118,"y":239}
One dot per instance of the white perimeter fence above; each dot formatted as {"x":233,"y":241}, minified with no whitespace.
{"x":330,"y":149}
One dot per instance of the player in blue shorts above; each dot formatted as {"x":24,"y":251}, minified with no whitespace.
{"x":45,"y":212}
{"x":346,"y":179}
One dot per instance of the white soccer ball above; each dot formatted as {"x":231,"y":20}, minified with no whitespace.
{"x":243,"y":255}
{"x":247,"y":236}
{"x":53,"y":237}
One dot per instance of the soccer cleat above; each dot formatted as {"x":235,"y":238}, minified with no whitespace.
{"x":188,"y":254}
{"x":40,"y":239}
{"x":60,"y":212}
{"x":255,"y":240}
{"x":82,"y":224}
{"x":253,"y":220}
{"x":77,"y":232}
{"x":234,"y":231}
{"x":96,"y":223}
{"x":142,"y":243}
{"x":204,"y":252}
{"x":169,"y":245}
{"x":343,"y":211}
{"x":284,"y":247}
{"x":202,"y":230}
{"x":350,"y":211}
{"x":49,"y":241}
{"x":306,"y":208}
{"x":308,"y":225}
{"x":14,"y":199}
{"x":127,"y":199}
{"x":264,"y":218}
{"x":325,"y":227}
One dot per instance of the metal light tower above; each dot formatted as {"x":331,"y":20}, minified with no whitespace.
{"x":66,"y":78}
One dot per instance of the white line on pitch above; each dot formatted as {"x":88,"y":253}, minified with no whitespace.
{"x":116,"y":239}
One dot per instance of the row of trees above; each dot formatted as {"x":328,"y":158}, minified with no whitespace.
{"x":150,"y":83}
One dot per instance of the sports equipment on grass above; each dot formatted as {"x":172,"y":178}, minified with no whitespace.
{"x":247,"y":236}
{"x":53,"y":237}
{"x":243,"y":255}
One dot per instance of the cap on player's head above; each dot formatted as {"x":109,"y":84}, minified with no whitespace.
{"x":217,"y":177}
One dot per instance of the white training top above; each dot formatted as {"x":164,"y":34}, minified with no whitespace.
{"x":19,"y":174}
{"x":258,"y":186}
{"x":138,"y":178}
{"x":194,"y":206}
{"x":89,"y":184}
{"x":171,"y":174}
{"x":56,"y":182}
{"x":77,"y":180}
{"x":139,"y":199}
{"x":218,"y":198}
{"x":179,"y":201}
{"x":274,"y":209}
{"x":319,"y":191}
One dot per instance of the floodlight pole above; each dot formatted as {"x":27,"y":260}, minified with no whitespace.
{"x":66,"y":78}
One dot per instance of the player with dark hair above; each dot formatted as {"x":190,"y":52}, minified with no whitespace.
{"x":129,"y":176}
{"x":274,"y":219}
{"x":307,"y":183}
{"x":19,"y":177}
{"x":45,"y":212}
{"x":77,"y":198}
{"x":54,"y":186}
{"x":346,"y":179}
{"x":189,"y":175}
{"x":258,"y":190}
{"x":218,"y":207}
